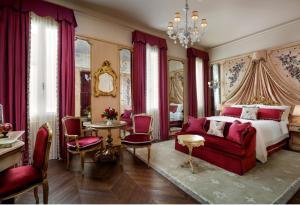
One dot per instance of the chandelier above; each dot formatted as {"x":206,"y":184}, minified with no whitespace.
{"x":185,"y":31}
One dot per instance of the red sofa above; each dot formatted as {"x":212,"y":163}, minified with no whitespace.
{"x":229,"y":155}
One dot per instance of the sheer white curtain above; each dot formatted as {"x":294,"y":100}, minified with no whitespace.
{"x":43,"y":80}
{"x":200,"y":88}
{"x":152,"y":84}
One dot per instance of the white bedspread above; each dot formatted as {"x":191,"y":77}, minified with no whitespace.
{"x":268,"y":132}
{"x":177,"y":116}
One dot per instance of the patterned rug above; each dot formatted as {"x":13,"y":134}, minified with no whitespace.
{"x":273,"y":182}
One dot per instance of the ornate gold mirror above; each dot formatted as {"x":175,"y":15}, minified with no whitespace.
{"x":105,"y":81}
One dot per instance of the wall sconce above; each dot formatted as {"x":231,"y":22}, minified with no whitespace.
{"x":213,"y":84}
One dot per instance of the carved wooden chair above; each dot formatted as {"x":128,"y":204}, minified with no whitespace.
{"x":17,"y":181}
{"x":77,"y":141}
{"x":142,"y":134}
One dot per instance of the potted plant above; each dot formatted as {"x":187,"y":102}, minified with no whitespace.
{"x":110,"y":114}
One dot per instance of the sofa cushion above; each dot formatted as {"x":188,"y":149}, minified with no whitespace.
{"x":196,"y":124}
{"x":216,"y":128}
{"x":224,"y":145}
{"x":269,"y":114}
{"x":232,"y":111}
{"x":14,"y":180}
{"x":173,"y":108}
{"x":238,"y":131}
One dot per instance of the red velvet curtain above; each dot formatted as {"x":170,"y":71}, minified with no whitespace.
{"x":14,"y":47}
{"x":140,"y":40}
{"x":192,"y":54}
{"x":14,"y":30}
{"x":66,"y":73}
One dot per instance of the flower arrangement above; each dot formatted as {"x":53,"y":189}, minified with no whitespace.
{"x":5,"y":128}
{"x":110,"y":114}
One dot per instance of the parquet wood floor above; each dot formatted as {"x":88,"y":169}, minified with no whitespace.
{"x":109,"y":183}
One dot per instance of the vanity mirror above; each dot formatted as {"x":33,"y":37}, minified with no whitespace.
{"x":105,"y":81}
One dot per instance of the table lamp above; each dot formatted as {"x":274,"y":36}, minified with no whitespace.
{"x":296,"y":114}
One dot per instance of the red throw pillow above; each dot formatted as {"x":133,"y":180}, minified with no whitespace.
{"x":269,"y":114}
{"x":232,"y":111}
{"x":196,"y":124}
{"x":173,"y":108}
{"x":127,"y":113}
{"x":237,"y":131}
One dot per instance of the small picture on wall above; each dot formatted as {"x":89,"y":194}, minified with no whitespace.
{"x":1,"y":114}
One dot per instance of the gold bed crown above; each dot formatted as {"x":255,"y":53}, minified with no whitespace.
{"x":262,"y":100}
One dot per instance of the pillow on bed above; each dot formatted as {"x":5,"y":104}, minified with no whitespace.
{"x":232,"y":111}
{"x":173,"y":108}
{"x":216,"y":128}
{"x":196,"y":124}
{"x":249,"y":113}
{"x":286,"y":112}
{"x":238,"y":131}
{"x":269,"y":114}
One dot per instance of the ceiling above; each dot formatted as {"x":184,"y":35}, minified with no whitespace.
{"x":228,"y":20}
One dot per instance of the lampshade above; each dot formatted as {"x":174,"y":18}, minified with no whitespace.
{"x":296,"y":111}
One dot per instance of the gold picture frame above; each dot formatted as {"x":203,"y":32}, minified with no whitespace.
{"x":105,"y":81}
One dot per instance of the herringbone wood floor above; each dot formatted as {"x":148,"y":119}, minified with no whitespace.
{"x":108,"y":183}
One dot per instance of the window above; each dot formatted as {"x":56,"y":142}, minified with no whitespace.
{"x":216,"y":90}
{"x":200,"y":88}
{"x":43,"y":105}
{"x":125,"y":80}
{"x":152,"y":91}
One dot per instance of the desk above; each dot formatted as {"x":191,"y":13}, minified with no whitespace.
{"x":12,"y":155}
{"x":109,"y":153}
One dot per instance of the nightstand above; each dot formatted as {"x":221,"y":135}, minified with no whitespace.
{"x":295,"y":136}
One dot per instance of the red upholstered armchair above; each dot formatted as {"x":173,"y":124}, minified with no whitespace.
{"x":77,"y":141}
{"x":16,"y":181}
{"x":142,"y":133}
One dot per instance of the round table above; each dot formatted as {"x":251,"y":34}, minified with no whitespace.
{"x":190,"y":141}
{"x":109,"y":153}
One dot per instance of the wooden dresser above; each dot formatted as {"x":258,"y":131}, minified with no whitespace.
{"x":294,"y":129}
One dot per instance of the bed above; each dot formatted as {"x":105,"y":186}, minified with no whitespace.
{"x":176,"y":115}
{"x":269,"y":134}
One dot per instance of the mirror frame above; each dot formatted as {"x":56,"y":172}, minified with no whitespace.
{"x":105,"y":69}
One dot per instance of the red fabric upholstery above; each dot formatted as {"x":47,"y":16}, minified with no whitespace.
{"x":84,"y":142}
{"x":136,"y":139}
{"x":73,"y":126}
{"x":17,"y":179}
{"x":269,"y":114}
{"x":142,"y":124}
{"x":196,"y":124}
{"x":238,"y":131}
{"x":40,"y":148}
{"x":234,"y":157}
{"x":232,"y":111}
{"x":127,"y":114}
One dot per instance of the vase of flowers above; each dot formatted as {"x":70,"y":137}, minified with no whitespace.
{"x":110,"y":114}
{"x":5,"y":128}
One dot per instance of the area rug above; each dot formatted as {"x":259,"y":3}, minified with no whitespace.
{"x":273,"y":182}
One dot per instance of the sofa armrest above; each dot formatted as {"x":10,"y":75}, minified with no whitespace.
{"x":250,"y":136}
{"x":184,"y":127}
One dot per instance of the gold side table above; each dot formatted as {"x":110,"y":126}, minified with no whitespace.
{"x":190,"y":141}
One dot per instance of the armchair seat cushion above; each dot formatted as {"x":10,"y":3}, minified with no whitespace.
{"x":14,"y":180}
{"x":84,"y":142}
{"x":137,"y":139}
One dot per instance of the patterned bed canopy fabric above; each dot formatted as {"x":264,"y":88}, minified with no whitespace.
{"x":273,"y":74}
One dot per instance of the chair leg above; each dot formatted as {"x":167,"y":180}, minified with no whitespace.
{"x":82,"y":156}
{"x":149,"y":153}
{"x":68,"y":160}
{"x":36,"y":195}
{"x":45,"y":191}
